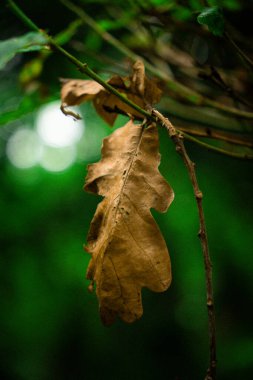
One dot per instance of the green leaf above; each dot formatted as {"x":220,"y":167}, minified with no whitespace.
{"x":28,"y":42}
{"x":213,"y":18}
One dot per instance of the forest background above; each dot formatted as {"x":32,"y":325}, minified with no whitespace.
{"x":50,"y":325}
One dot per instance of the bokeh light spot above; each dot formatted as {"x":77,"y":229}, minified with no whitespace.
{"x":56,"y":129}
{"x":57,"y":159}
{"x":24,"y":148}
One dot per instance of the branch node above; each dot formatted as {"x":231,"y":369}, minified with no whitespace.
{"x":82,"y":67}
{"x":201,"y":234}
{"x":209,"y":302}
{"x":173,"y":132}
{"x":199,"y":194}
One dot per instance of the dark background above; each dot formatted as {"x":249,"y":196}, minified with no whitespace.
{"x":50,"y":325}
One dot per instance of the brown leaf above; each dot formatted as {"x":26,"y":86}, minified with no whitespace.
{"x":141,"y":85}
{"x":137,"y":88}
{"x":138,"y":77}
{"x":106,"y":101}
{"x":127,"y":248}
{"x":76,"y":91}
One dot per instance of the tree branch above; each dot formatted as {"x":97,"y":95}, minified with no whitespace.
{"x":180,"y":148}
{"x":176,"y":87}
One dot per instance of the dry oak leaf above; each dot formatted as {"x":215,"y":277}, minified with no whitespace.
{"x":109,"y":105}
{"x":137,"y":88}
{"x":77,"y":91}
{"x":127,"y":248}
{"x":146,"y":88}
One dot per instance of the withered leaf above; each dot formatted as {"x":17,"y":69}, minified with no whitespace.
{"x":76,"y":91}
{"x":138,"y":77}
{"x":137,"y":88}
{"x":105,"y":101}
{"x":127,"y":248}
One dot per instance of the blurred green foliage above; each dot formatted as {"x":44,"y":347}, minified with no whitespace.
{"x":213,"y":18}
{"x":29,"y":42}
{"x":50,"y":326}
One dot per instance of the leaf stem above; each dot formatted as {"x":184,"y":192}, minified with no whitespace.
{"x":180,"y":148}
{"x":179,"y":89}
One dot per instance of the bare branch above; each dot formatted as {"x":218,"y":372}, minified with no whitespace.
{"x":180,"y":148}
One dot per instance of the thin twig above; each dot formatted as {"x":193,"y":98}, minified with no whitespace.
{"x":244,"y":156}
{"x":239,"y":51}
{"x":215,"y":77}
{"x":217,"y":135}
{"x":182,"y":91}
{"x":180,"y":148}
{"x":187,"y":131}
{"x":203,"y":117}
